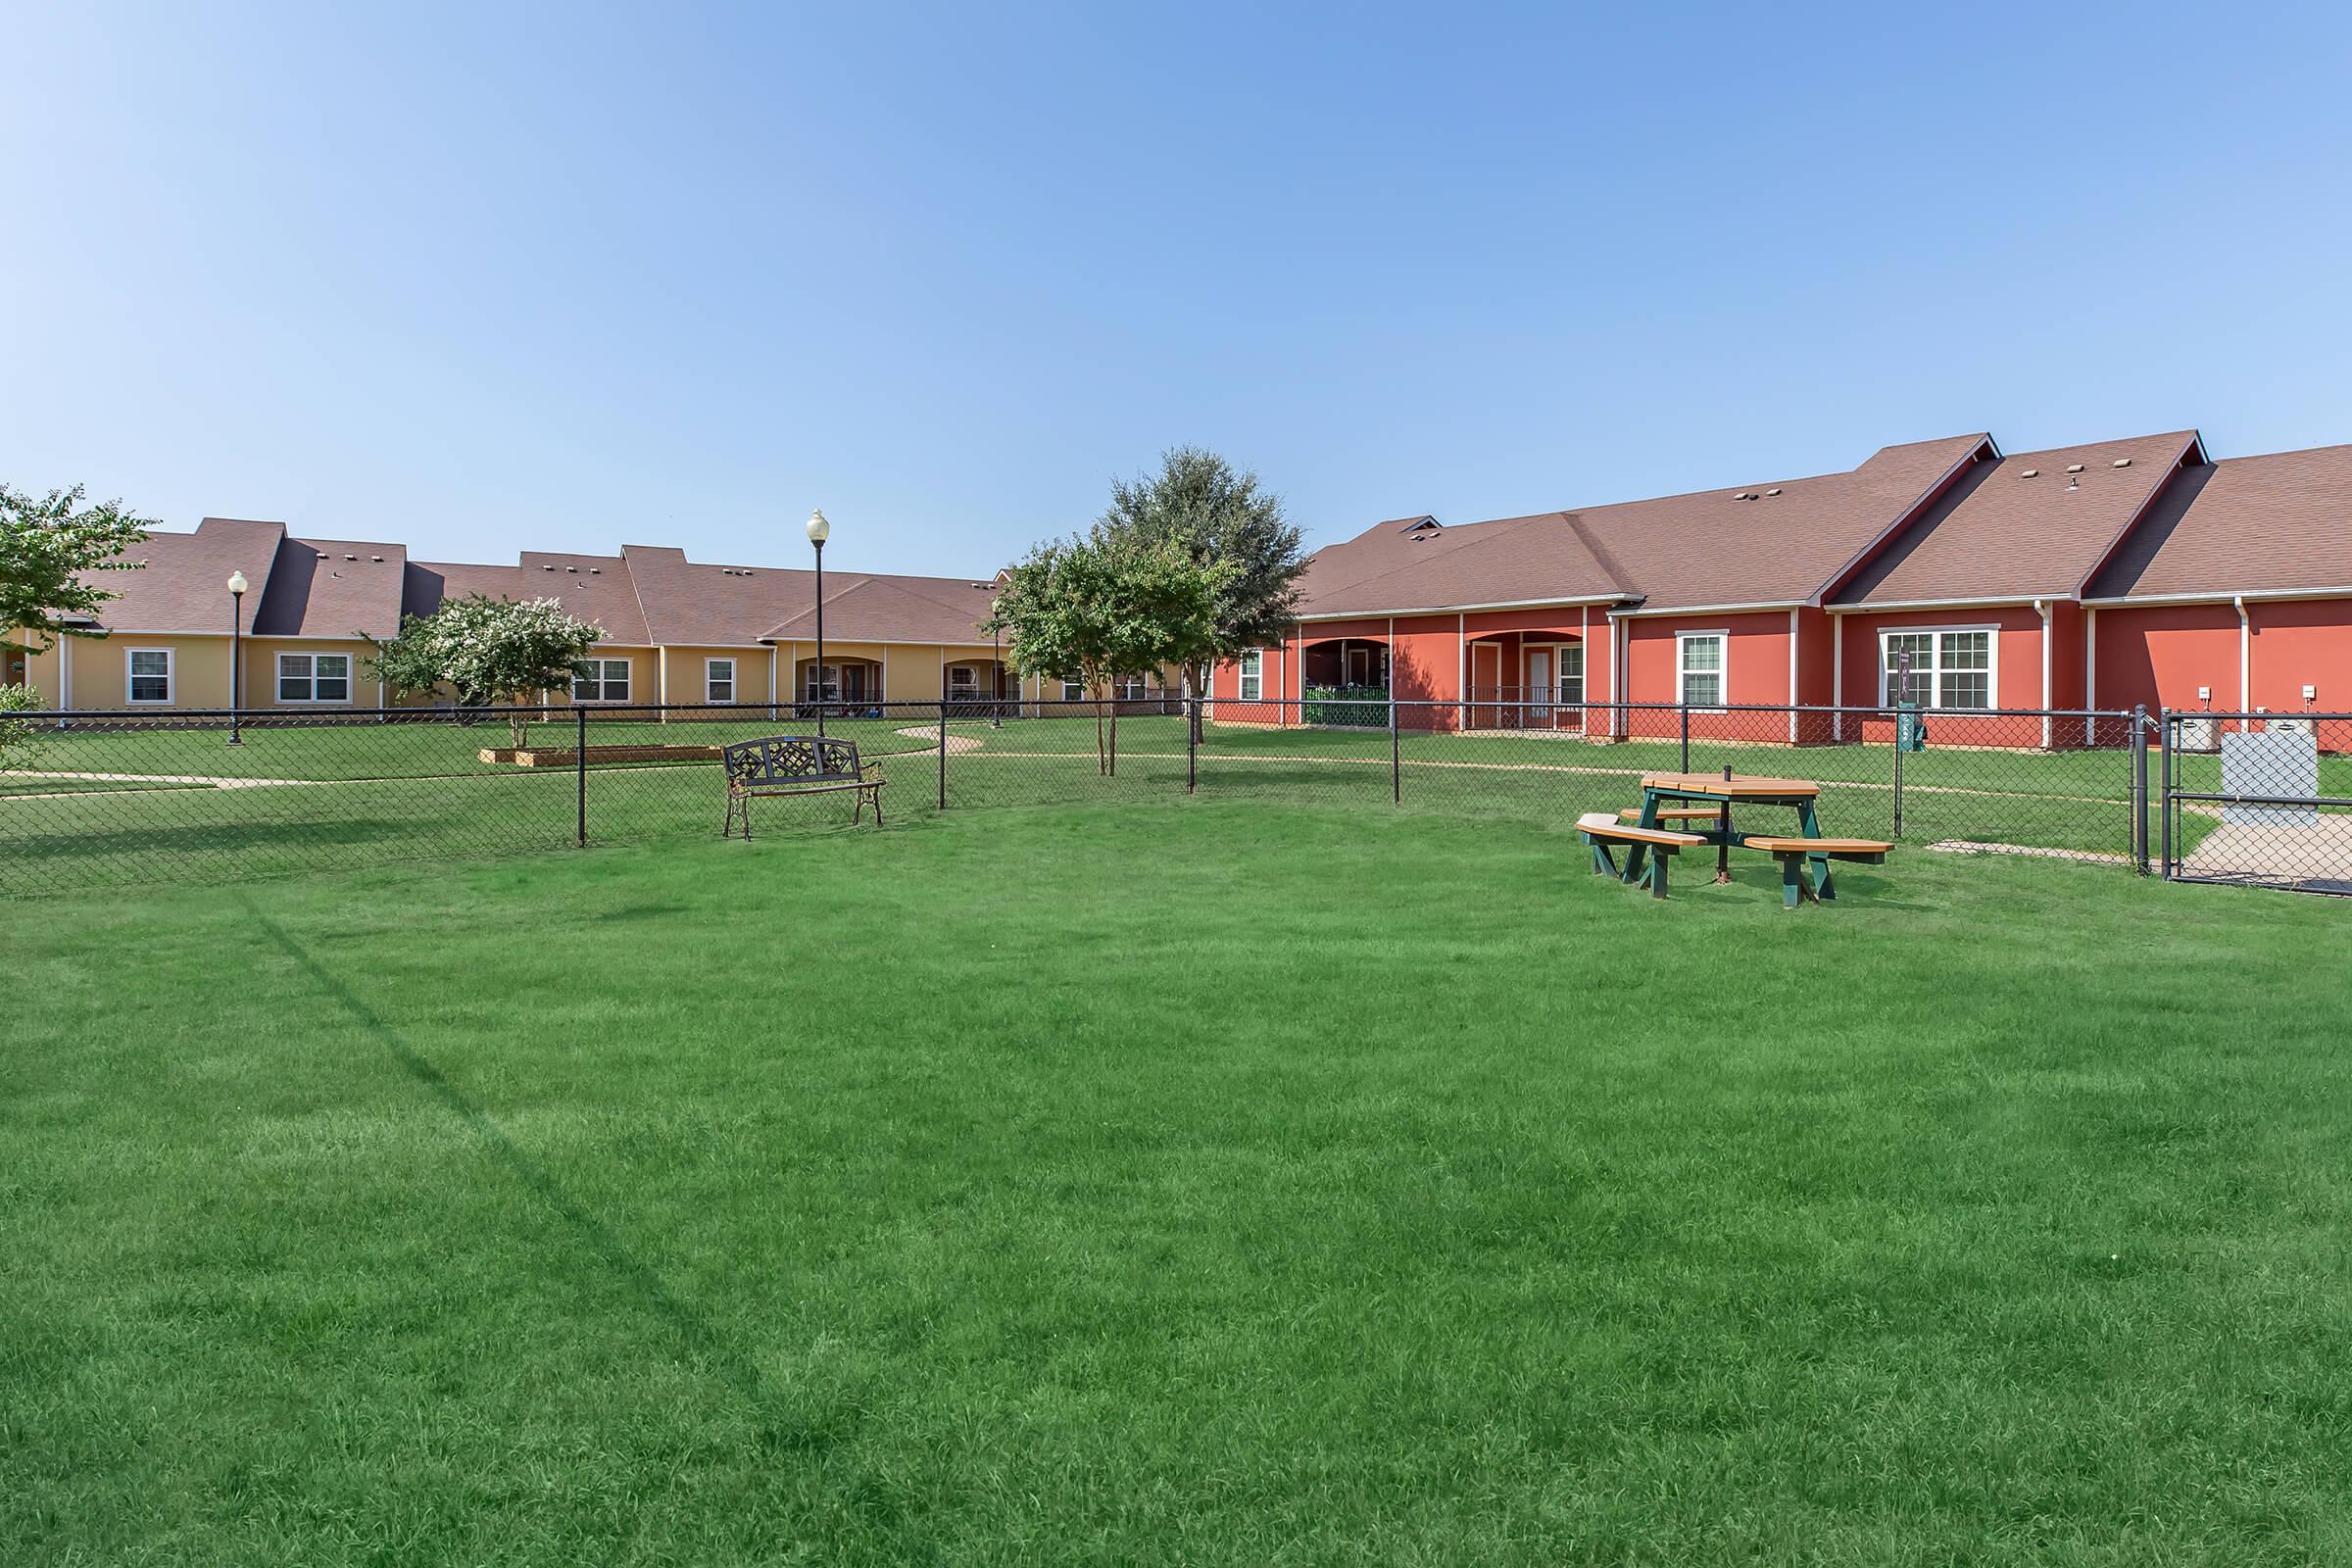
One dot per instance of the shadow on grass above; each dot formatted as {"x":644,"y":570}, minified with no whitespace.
{"x":691,"y":1327}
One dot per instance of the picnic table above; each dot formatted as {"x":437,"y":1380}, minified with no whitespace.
{"x":1658,"y":790}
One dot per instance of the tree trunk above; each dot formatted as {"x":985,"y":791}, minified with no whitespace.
{"x":1115,"y":737}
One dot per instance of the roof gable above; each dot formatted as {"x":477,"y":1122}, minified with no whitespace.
{"x":2279,"y":522}
{"x":2032,"y":525}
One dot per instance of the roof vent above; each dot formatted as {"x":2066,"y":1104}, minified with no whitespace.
{"x":1774,"y":491}
{"x":596,"y":571}
{"x":351,"y":558}
{"x":2073,"y":468}
{"x":321,"y":553}
{"x":2030,"y":474}
{"x":1744,"y":495}
{"x":571,"y":568}
{"x":2122,"y":463}
{"x":378,"y":559}
{"x":547,"y":566}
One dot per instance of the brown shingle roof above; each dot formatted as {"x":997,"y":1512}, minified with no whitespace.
{"x":2280,"y":522}
{"x":2000,"y":534}
{"x":900,"y":609}
{"x":1781,"y":545}
{"x":332,"y":588}
{"x":184,"y":585}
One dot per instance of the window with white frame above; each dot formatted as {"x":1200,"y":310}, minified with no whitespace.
{"x":1950,"y":667}
{"x":1254,"y":680}
{"x":1128,"y":688}
{"x":1698,"y":664}
{"x":963,"y":682}
{"x":150,"y":675}
{"x":824,"y":683}
{"x":600,"y":680}
{"x":1073,"y":691}
{"x":314,"y":677}
{"x":719,"y":680}
{"x":1572,"y":674}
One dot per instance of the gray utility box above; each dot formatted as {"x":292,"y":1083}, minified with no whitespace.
{"x":2281,"y":759}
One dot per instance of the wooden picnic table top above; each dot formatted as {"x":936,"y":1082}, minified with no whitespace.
{"x":1739,"y":786}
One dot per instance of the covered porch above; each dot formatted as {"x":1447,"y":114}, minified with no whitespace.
{"x":1525,"y":680}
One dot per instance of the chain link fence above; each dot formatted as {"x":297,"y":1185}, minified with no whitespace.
{"x":119,"y":799}
{"x":2258,"y":800}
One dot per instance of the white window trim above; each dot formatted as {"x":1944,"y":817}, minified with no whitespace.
{"x":1721,"y":670}
{"x":170,"y":678}
{"x":709,"y":664}
{"x":628,"y":681}
{"x":1070,"y":686}
{"x":1244,"y":675}
{"x":1559,"y":653}
{"x":1993,"y":665}
{"x":278,"y":688}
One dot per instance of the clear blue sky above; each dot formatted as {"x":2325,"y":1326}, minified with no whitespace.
{"x":480,"y":277}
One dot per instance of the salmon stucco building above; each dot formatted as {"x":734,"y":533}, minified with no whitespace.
{"x":2096,"y":576}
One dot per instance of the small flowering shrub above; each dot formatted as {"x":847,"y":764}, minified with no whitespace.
{"x":486,"y":650}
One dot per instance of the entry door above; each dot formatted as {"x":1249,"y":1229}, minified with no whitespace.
{"x":853,"y":683}
{"x":1539,"y":684}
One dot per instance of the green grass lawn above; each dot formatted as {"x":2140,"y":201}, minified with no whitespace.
{"x":1204,"y":1182}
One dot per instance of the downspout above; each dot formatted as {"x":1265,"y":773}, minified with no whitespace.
{"x":2090,"y":674}
{"x":1792,"y":676}
{"x":2246,"y":655}
{"x":2041,"y":608}
{"x":1837,"y":675}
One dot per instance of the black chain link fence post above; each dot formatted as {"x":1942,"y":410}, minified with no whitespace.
{"x":2164,"y":772}
{"x":580,"y":762}
{"x":1191,"y":744}
{"x":1686,"y":764}
{"x":1395,"y":756}
{"x":943,"y":755}
{"x":2139,"y":789}
{"x":1897,"y":831}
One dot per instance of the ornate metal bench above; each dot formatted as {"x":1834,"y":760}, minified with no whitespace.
{"x":796,"y":764}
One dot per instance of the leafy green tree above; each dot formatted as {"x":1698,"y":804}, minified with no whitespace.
{"x":48,"y":546}
{"x":19,"y":736}
{"x":1227,"y":518}
{"x":1095,"y":607}
{"x":485,"y":649}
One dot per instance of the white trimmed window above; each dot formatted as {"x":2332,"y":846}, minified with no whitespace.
{"x":1253,"y":676}
{"x":963,"y":682}
{"x":824,"y":683}
{"x":149,"y":679}
{"x":719,"y":680}
{"x":600,"y":680}
{"x":1572,"y":674}
{"x":1699,"y":668}
{"x":1951,"y":666}
{"x":1128,"y":688}
{"x":1073,"y":691}
{"x":314,"y":677}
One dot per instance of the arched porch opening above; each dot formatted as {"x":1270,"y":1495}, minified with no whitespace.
{"x":845,"y":685}
{"x":1525,"y":680}
{"x":1345,"y":680}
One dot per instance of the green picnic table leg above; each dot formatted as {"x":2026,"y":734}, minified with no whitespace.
{"x":1792,"y":880}
{"x":1602,"y":864}
{"x":1637,"y":860}
{"x":1809,"y":824}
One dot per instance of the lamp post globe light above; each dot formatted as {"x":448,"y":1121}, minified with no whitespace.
{"x":819,"y":531}
{"x":236,"y":652}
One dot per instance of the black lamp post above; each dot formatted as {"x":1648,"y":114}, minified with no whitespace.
{"x":236,"y":652}
{"x":819,"y":531}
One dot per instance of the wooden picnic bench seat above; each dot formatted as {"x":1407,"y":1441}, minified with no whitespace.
{"x":796,"y":764}
{"x":1657,"y":845}
{"x":1797,"y":855}
{"x":1676,"y":813}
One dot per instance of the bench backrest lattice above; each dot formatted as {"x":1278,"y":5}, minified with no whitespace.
{"x":788,"y":760}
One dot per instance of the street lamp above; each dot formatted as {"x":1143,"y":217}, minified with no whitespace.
{"x":996,"y":668}
{"x":819,"y":531}
{"x":236,"y":652}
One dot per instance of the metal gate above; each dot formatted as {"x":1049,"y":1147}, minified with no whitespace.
{"x":2258,"y":800}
